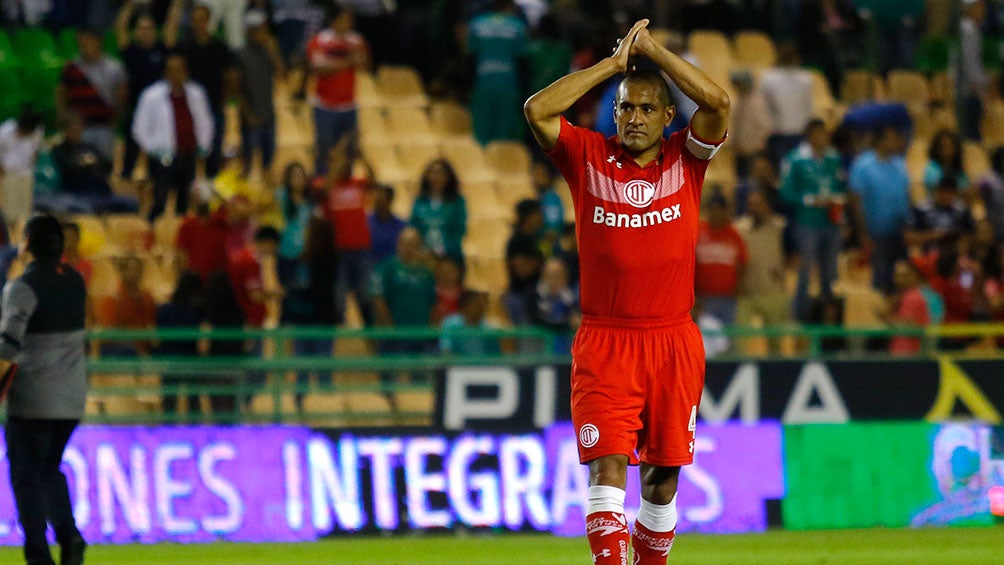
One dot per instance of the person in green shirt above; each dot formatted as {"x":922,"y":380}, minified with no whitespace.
{"x":497,"y":41}
{"x":440,"y":212}
{"x":813,"y":184}
{"x":404,"y":294}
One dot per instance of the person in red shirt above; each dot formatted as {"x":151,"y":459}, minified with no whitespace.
{"x":907,"y":307}
{"x":131,"y":307}
{"x":721,"y":258}
{"x":245,"y":273}
{"x":334,"y":55}
{"x":638,"y":357}
{"x":201,"y":242}
{"x":345,"y":205}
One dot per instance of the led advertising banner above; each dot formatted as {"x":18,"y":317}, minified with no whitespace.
{"x":737,"y":468}
{"x":862,"y":475}
{"x":285,"y":483}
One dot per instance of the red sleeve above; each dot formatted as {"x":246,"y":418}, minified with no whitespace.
{"x":569,"y":153}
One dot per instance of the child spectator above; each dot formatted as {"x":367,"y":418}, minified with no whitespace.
{"x":551,"y":205}
{"x":449,"y":277}
{"x":131,"y":307}
{"x":907,"y":307}
{"x":556,"y":304}
{"x":440,"y":212}
{"x":296,"y":208}
{"x":941,"y":222}
{"x":470,"y":318}
{"x":245,"y":271}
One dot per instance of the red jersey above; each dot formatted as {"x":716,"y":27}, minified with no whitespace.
{"x":245,"y":276}
{"x":335,"y":91}
{"x":636,"y":226}
{"x":203,"y":241}
{"x":346,"y":208}
{"x":911,"y":310}
{"x":720,"y":254}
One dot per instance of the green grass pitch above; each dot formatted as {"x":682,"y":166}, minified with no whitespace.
{"x":950,"y":546}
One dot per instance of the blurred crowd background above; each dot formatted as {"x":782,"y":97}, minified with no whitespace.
{"x":253,"y":163}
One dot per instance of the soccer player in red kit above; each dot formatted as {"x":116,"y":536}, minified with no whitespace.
{"x":638,"y":359}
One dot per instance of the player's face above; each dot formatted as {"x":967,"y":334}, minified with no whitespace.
{"x":641,"y":115}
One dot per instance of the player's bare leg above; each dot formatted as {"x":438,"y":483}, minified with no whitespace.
{"x":655,"y":527}
{"x":606,"y":526}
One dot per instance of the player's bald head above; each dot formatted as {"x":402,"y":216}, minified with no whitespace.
{"x":647,"y":78}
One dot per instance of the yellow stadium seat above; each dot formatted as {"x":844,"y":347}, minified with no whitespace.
{"x":128,"y":233}
{"x":415,"y":157}
{"x":513,"y":187}
{"x":367,"y":93}
{"x":754,"y":50}
{"x":409,"y":124}
{"x":450,"y":119}
{"x":483,"y":202}
{"x":468,"y":160}
{"x":860,"y":86}
{"x":165,"y":232}
{"x":488,"y":240}
{"x":908,"y":87}
{"x":992,"y":127}
{"x":508,"y":157}
{"x":372,"y":124}
{"x":401,"y":87}
{"x":975,"y":161}
{"x":713,"y":51}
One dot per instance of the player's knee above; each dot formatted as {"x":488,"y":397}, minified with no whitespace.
{"x":609,"y":470}
{"x":658,"y":484}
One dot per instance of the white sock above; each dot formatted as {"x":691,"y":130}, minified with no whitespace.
{"x":657,"y":517}
{"x":604,"y":498}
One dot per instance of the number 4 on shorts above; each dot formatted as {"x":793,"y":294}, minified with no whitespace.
{"x":692,"y":426}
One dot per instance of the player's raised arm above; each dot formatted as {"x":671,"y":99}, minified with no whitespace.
{"x":543,"y":110}
{"x":712,"y":116}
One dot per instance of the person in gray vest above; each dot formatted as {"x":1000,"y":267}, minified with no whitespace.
{"x":42,"y":330}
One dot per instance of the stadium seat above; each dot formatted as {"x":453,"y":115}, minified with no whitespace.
{"x":165,"y":232}
{"x":104,"y":277}
{"x":367,"y":94}
{"x":942,"y":88}
{"x":975,"y":162}
{"x":513,"y":187}
{"x":508,"y":157}
{"x":468,"y":160}
{"x":486,"y":273}
{"x":483,"y":202}
{"x":450,"y":119}
{"x":401,"y":87}
{"x":414,"y":157}
{"x":860,"y":86}
{"x":713,"y":51}
{"x":372,"y":124}
{"x":264,"y":404}
{"x":409,"y":124}
{"x":488,"y":241}
{"x":908,"y":87}
{"x":823,"y":103}
{"x":992,"y":127}
{"x":754,"y":50}
{"x":128,"y":233}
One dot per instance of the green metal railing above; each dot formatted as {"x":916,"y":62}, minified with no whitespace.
{"x":142,"y":382}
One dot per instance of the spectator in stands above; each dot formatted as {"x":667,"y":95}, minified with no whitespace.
{"x":334,"y":56}
{"x":991,"y":191}
{"x":144,"y":56}
{"x":83,"y":171}
{"x":131,"y":307}
{"x":260,"y":63}
{"x":174,"y":127}
{"x":944,"y":159}
{"x":183,"y":310}
{"x":20,"y":141}
{"x":497,"y":40}
{"x":308,"y":300}
{"x":763,"y":176}
{"x":943,"y":220}
{"x":762,"y":289}
{"x":213,"y":66}
{"x":549,"y":56}
{"x":297,"y":207}
{"x":555,"y":304}
{"x":71,"y":252}
{"x":721,"y":260}
{"x":973,"y":80}
{"x":813,"y":185}
{"x":346,"y":208}
{"x":449,"y":276}
{"x":954,"y":277}
{"x":440,"y":211}
{"x":828,"y":33}
{"x":228,"y":14}
{"x":788,"y":90}
{"x":93,"y":86}
{"x":385,"y":226}
{"x":751,"y":122}
{"x":529,"y":222}
{"x":896,"y":24}
{"x":907,"y":307}
{"x":551,"y":205}
{"x":568,"y":251}
{"x":471,"y":316}
{"x":223,"y":312}
{"x":880,"y":191}
{"x":524,"y":261}
{"x":404,"y":295}
{"x":247,"y":280}
{"x":201,"y":242}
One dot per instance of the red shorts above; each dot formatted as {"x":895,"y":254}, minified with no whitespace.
{"x":636,"y":386}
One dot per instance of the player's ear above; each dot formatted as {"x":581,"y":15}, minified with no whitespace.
{"x":670,"y":114}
